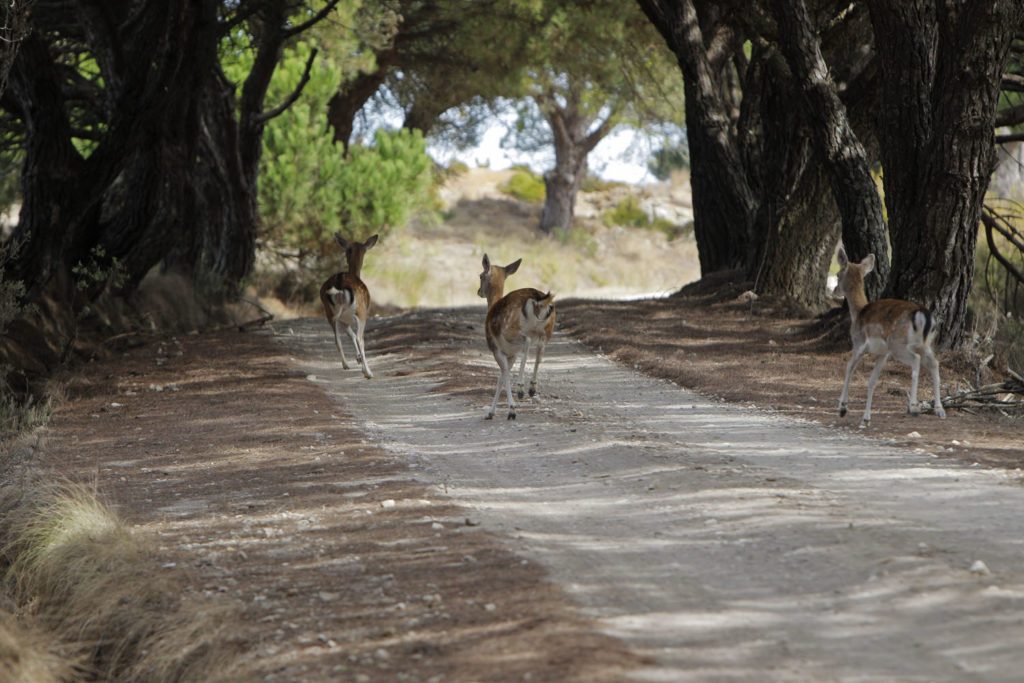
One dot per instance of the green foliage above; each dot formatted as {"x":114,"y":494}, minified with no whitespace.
{"x":309,"y":187}
{"x":524,"y":185}
{"x":97,"y":269}
{"x":628,"y":213}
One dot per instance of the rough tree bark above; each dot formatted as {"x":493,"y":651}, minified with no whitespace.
{"x":14,"y":20}
{"x":797,"y":223}
{"x":724,"y":206}
{"x":844,"y":157}
{"x":942,"y":65}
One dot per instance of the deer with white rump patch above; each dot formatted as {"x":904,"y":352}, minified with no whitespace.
{"x":888,"y":327}
{"x":514,"y":321}
{"x":346,"y":300}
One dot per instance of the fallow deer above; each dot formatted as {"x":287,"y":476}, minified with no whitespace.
{"x":346,"y":300}
{"x":888,"y":327}
{"x":514,"y":321}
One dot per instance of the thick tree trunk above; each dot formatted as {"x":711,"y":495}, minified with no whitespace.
{"x":797,"y":223}
{"x":14,"y":21}
{"x":845,"y":159}
{"x":724,"y":205}
{"x":942,"y":66}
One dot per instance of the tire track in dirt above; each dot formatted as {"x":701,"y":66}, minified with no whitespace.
{"x":723,"y":542}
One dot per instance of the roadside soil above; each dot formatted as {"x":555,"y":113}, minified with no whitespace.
{"x":266,"y":495}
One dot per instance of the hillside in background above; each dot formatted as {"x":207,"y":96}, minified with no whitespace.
{"x":439,"y":265}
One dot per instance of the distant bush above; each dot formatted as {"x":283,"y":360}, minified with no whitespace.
{"x":457,"y":168}
{"x":628,"y":213}
{"x":525,"y":185}
{"x":594,"y":184}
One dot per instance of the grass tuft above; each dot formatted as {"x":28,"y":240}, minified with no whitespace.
{"x":81,"y":575}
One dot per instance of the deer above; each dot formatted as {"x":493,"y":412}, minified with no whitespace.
{"x":513,"y":322}
{"x":346,"y":300}
{"x":890,"y":328}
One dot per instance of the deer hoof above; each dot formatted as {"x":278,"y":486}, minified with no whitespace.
{"x":533,"y":391}
{"x":941,"y":412}
{"x":519,"y":393}
{"x":842,"y":410}
{"x":490,"y":416}
{"x":512,"y":415}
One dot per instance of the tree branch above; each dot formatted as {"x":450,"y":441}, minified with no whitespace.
{"x":290,"y":100}
{"x":312,"y":21}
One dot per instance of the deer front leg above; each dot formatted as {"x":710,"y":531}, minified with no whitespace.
{"x":866,"y":420}
{"x":504,"y":380}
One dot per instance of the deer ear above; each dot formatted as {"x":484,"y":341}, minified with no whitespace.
{"x":842,"y":258}
{"x":513,"y":267}
{"x":370,"y":242}
{"x":487,"y":262}
{"x":868,"y":263}
{"x":341,"y":240}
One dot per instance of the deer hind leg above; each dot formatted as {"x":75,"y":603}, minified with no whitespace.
{"x":536,"y":368}
{"x":522,"y":370}
{"x":850,"y":367}
{"x":335,"y":325}
{"x":357,"y":341}
{"x":872,"y":381}
{"x":933,"y":366}
{"x":915,"y":373}
{"x":504,"y":380}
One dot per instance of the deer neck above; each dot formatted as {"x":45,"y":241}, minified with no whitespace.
{"x":355,"y":264}
{"x":495,"y":288}
{"x":857,"y":298}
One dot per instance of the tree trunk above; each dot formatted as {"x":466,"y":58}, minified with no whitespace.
{"x":796,"y":224}
{"x":14,"y":21}
{"x":845,"y":159}
{"x":346,"y":103}
{"x":724,"y":205}
{"x":942,"y":66}
{"x":573,"y":142}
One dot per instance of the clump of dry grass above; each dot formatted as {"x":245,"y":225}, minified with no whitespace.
{"x":25,"y":655}
{"x":79,"y":573}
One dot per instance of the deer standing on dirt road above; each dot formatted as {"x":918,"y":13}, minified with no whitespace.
{"x":513,"y":322}
{"x":889,"y":327}
{"x":346,"y":300}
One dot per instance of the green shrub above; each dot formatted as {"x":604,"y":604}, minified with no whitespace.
{"x":627,"y":213}
{"x":525,"y":185}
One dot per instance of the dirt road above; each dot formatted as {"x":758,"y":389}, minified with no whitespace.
{"x":727,"y":544}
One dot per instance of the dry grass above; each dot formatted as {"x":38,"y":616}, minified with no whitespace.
{"x":25,"y":655}
{"x":100,"y":592}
